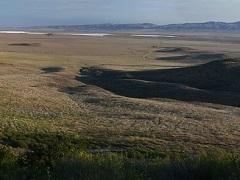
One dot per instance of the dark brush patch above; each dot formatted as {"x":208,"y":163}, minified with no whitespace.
{"x":194,"y":57}
{"x":174,"y":49}
{"x":24,"y":44}
{"x":52,"y":69}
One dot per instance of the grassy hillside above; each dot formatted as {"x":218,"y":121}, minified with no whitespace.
{"x":104,"y":107}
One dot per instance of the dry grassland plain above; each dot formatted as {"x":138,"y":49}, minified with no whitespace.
{"x":67,"y":84}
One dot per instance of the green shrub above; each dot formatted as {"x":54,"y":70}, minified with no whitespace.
{"x":57,"y":156}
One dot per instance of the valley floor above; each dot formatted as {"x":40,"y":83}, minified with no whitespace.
{"x":43,"y":90}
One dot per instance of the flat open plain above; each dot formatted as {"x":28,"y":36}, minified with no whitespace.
{"x":122,"y":92}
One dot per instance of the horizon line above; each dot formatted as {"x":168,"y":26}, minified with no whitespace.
{"x":133,"y":23}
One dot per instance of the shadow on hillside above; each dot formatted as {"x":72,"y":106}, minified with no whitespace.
{"x":215,"y":82}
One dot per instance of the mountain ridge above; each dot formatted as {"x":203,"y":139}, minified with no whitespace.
{"x":210,"y":25}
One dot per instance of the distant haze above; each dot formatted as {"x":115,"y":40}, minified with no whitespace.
{"x":66,"y":12}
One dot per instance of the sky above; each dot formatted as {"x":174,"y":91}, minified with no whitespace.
{"x":73,"y":12}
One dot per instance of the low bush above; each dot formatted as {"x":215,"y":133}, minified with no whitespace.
{"x":60,"y":157}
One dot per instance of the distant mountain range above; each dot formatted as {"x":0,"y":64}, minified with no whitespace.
{"x":215,"y":26}
{"x":205,"y":26}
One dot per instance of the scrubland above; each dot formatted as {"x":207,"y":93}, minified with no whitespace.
{"x":129,"y":108}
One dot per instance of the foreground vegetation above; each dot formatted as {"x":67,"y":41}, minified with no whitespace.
{"x":42,"y":156}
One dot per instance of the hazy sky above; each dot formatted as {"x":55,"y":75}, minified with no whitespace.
{"x":52,"y":12}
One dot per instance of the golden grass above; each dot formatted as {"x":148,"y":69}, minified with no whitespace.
{"x":31,"y":101}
